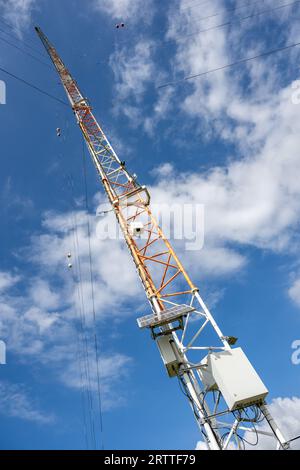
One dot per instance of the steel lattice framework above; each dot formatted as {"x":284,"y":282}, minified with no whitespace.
{"x":175,"y":301}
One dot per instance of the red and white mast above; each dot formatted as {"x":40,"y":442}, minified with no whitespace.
{"x":174,"y":299}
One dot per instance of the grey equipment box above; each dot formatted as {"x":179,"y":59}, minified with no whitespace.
{"x":232,"y":373}
{"x":167,"y":354}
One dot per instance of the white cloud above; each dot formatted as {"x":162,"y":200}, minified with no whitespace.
{"x":162,"y":108}
{"x":286,"y":412}
{"x":7,"y":280}
{"x":253,"y":200}
{"x":113,"y":370}
{"x":43,"y":296}
{"x":217,"y":261}
{"x":219,"y":101}
{"x":12,"y":202}
{"x":126,"y":10}
{"x":40,"y":318}
{"x":18,"y":12}
{"x":164,"y":170}
{"x":294,"y":292}
{"x":16,"y":403}
{"x":136,"y":72}
{"x":198,"y":53}
{"x":201,"y":446}
{"x":133,"y":70}
{"x":248,"y":201}
{"x":42,"y":324}
{"x":110,"y":258}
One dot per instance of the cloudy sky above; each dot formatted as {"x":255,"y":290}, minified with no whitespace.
{"x":228,"y":140}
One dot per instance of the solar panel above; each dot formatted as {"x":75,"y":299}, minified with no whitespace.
{"x":164,"y":317}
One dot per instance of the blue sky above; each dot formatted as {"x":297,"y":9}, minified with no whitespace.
{"x":229,"y":141}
